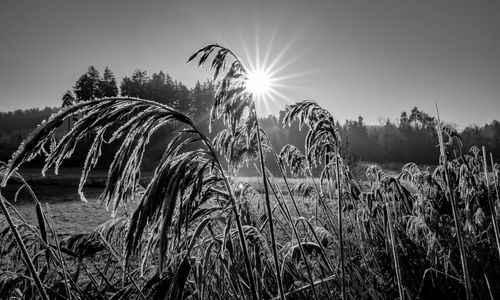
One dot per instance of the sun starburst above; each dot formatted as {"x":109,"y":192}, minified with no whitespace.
{"x":259,"y":83}
{"x":262,"y":82}
{"x":269,"y":77}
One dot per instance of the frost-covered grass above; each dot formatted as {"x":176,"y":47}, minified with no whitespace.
{"x":193,"y":232}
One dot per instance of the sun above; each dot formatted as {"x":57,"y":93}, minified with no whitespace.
{"x":267,"y":76}
{"x":259,"y":83}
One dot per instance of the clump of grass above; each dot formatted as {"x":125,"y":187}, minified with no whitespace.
{"x":195,"y":232}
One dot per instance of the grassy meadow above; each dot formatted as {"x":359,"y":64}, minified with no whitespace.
{"x":70,"y":215}
{"x":319,"y":229}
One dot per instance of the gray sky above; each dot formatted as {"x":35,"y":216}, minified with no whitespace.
{"x":369,"y":58}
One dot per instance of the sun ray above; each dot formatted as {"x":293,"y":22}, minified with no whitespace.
{"x":268,"y":70}
{"x":269,"y":47}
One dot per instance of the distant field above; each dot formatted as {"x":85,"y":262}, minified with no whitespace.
{"x":71,"y":215}
{"x":59,"y":192}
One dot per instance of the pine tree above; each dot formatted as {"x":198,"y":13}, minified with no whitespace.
{"x":107,"y":85}
{"x":87,"y":86}
{"x":68,"y":100}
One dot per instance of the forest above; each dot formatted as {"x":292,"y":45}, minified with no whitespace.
{"x":410,"y":137}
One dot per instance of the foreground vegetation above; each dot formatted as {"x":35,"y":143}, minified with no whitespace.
{"x":195,"y":232}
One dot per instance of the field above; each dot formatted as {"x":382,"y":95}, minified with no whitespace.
{"x":190,"y":230}
{"x":59,"y":193}
{"x":70,"y":215}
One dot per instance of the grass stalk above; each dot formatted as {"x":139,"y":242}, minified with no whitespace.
{"x":489,"y":287}
{"x":450,"y":196}
{"x":341,"y":234}
{"x":285,"y":180}
{"x":22,"y":246}
{"x":120,"y":259}
{"x":64,"y":268}
{"x":241,"y":235}
{"x":269,"y":212}
{"x":306,"y":287}
{"x":288,"y":216}
{"x":493,"y":207}
{"x":397,"y":266}
{"x":328,"y":212}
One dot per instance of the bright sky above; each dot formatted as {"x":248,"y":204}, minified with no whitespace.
{"x":369,"y":58}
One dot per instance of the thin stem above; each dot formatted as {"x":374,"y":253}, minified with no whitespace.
{"x":489,"y":287}
{"x":288,"y":216}
{"x":282,"y":172}
{"x":341,"y":235}
{"x":451,"y":198}
{"x":306,"y":287}
{"x":239,"y":226}
{"x":490,"y":200}
{"x":437,"y":272}
{"x":64,"y":268}
{"x":327,"y":211}
{"x":119,"y":258}
{"x":394,"y":249}
{"x":269,"y":211}
{"x":20,"y":243}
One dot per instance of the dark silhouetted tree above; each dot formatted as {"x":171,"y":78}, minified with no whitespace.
{"x":136,"y":85}
{"x":182,"y":98}
{"x":157,"y":89}
{"x":107,"y":85}
{"x":68,"y":100}
{"x":87,"y":86}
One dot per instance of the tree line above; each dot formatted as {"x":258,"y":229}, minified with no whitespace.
{"x":159,"y":87}
{"x":411,"y":138}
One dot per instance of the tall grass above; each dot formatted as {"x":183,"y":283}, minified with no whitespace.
{"x":195,"y":232}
